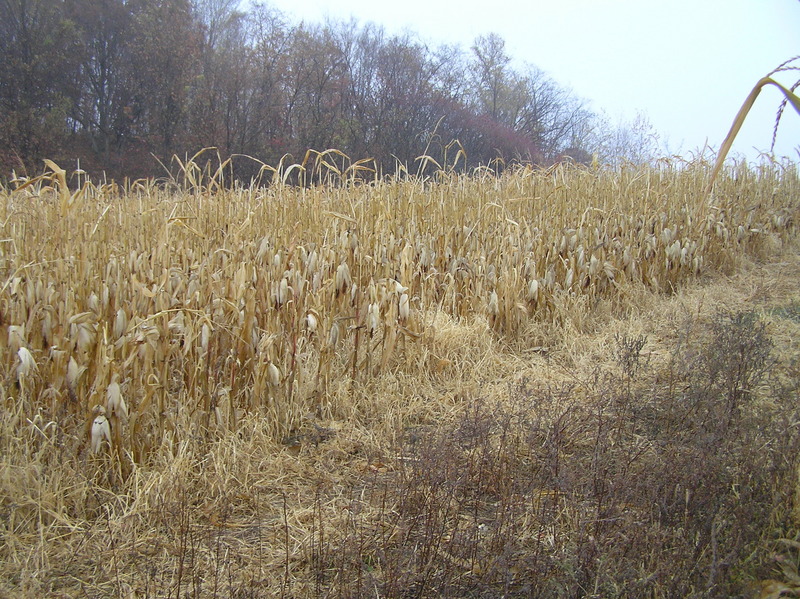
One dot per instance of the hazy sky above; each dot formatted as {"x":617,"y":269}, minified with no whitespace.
{"x":687,"y":64}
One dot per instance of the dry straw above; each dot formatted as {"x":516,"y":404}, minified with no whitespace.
{"x":267,"y":294}
{"x":158,"y":323}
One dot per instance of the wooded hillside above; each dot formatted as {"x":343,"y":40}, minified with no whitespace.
{"x":116,"y":83}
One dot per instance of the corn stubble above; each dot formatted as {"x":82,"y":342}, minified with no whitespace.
{"x":150,"y":325}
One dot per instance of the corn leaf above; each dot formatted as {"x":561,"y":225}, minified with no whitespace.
{"x":793,"y":99}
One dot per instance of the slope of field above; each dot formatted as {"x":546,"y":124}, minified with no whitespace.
{"x":549,"y":383}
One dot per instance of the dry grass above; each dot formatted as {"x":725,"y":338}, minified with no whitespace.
{"x":292,"y":431}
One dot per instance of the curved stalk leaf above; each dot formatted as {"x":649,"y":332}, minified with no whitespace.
{"x":793,"y":99}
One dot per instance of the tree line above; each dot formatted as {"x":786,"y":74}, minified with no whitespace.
{"x":119,"y":84}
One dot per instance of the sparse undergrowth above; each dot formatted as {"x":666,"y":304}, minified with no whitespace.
{"x":536,"y":419}
{"x":672,"y":489}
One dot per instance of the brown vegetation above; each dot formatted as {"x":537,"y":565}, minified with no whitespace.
{"x":567,"y":383}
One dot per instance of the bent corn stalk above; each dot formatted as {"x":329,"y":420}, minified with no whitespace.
{"x":791,"y":97}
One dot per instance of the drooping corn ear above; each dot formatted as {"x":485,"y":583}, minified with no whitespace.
{"x":372,"y":318}
{"x":274,"y":375}
{"x":27,"y":365}
{"x":115,"y":403}
{"x":101,"y":429}
{"x":403,"y":307}
{"x":120,"y":323}
{"x":74,"y":374}
{"x":343,"y":278}
{"x":312,"y":322}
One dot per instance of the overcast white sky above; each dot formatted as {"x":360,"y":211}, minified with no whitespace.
{"x":687,"y":64}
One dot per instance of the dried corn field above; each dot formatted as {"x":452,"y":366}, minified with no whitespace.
{"x":185,"y":358}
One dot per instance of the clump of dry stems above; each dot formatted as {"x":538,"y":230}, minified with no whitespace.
{"x":164,"y":344}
